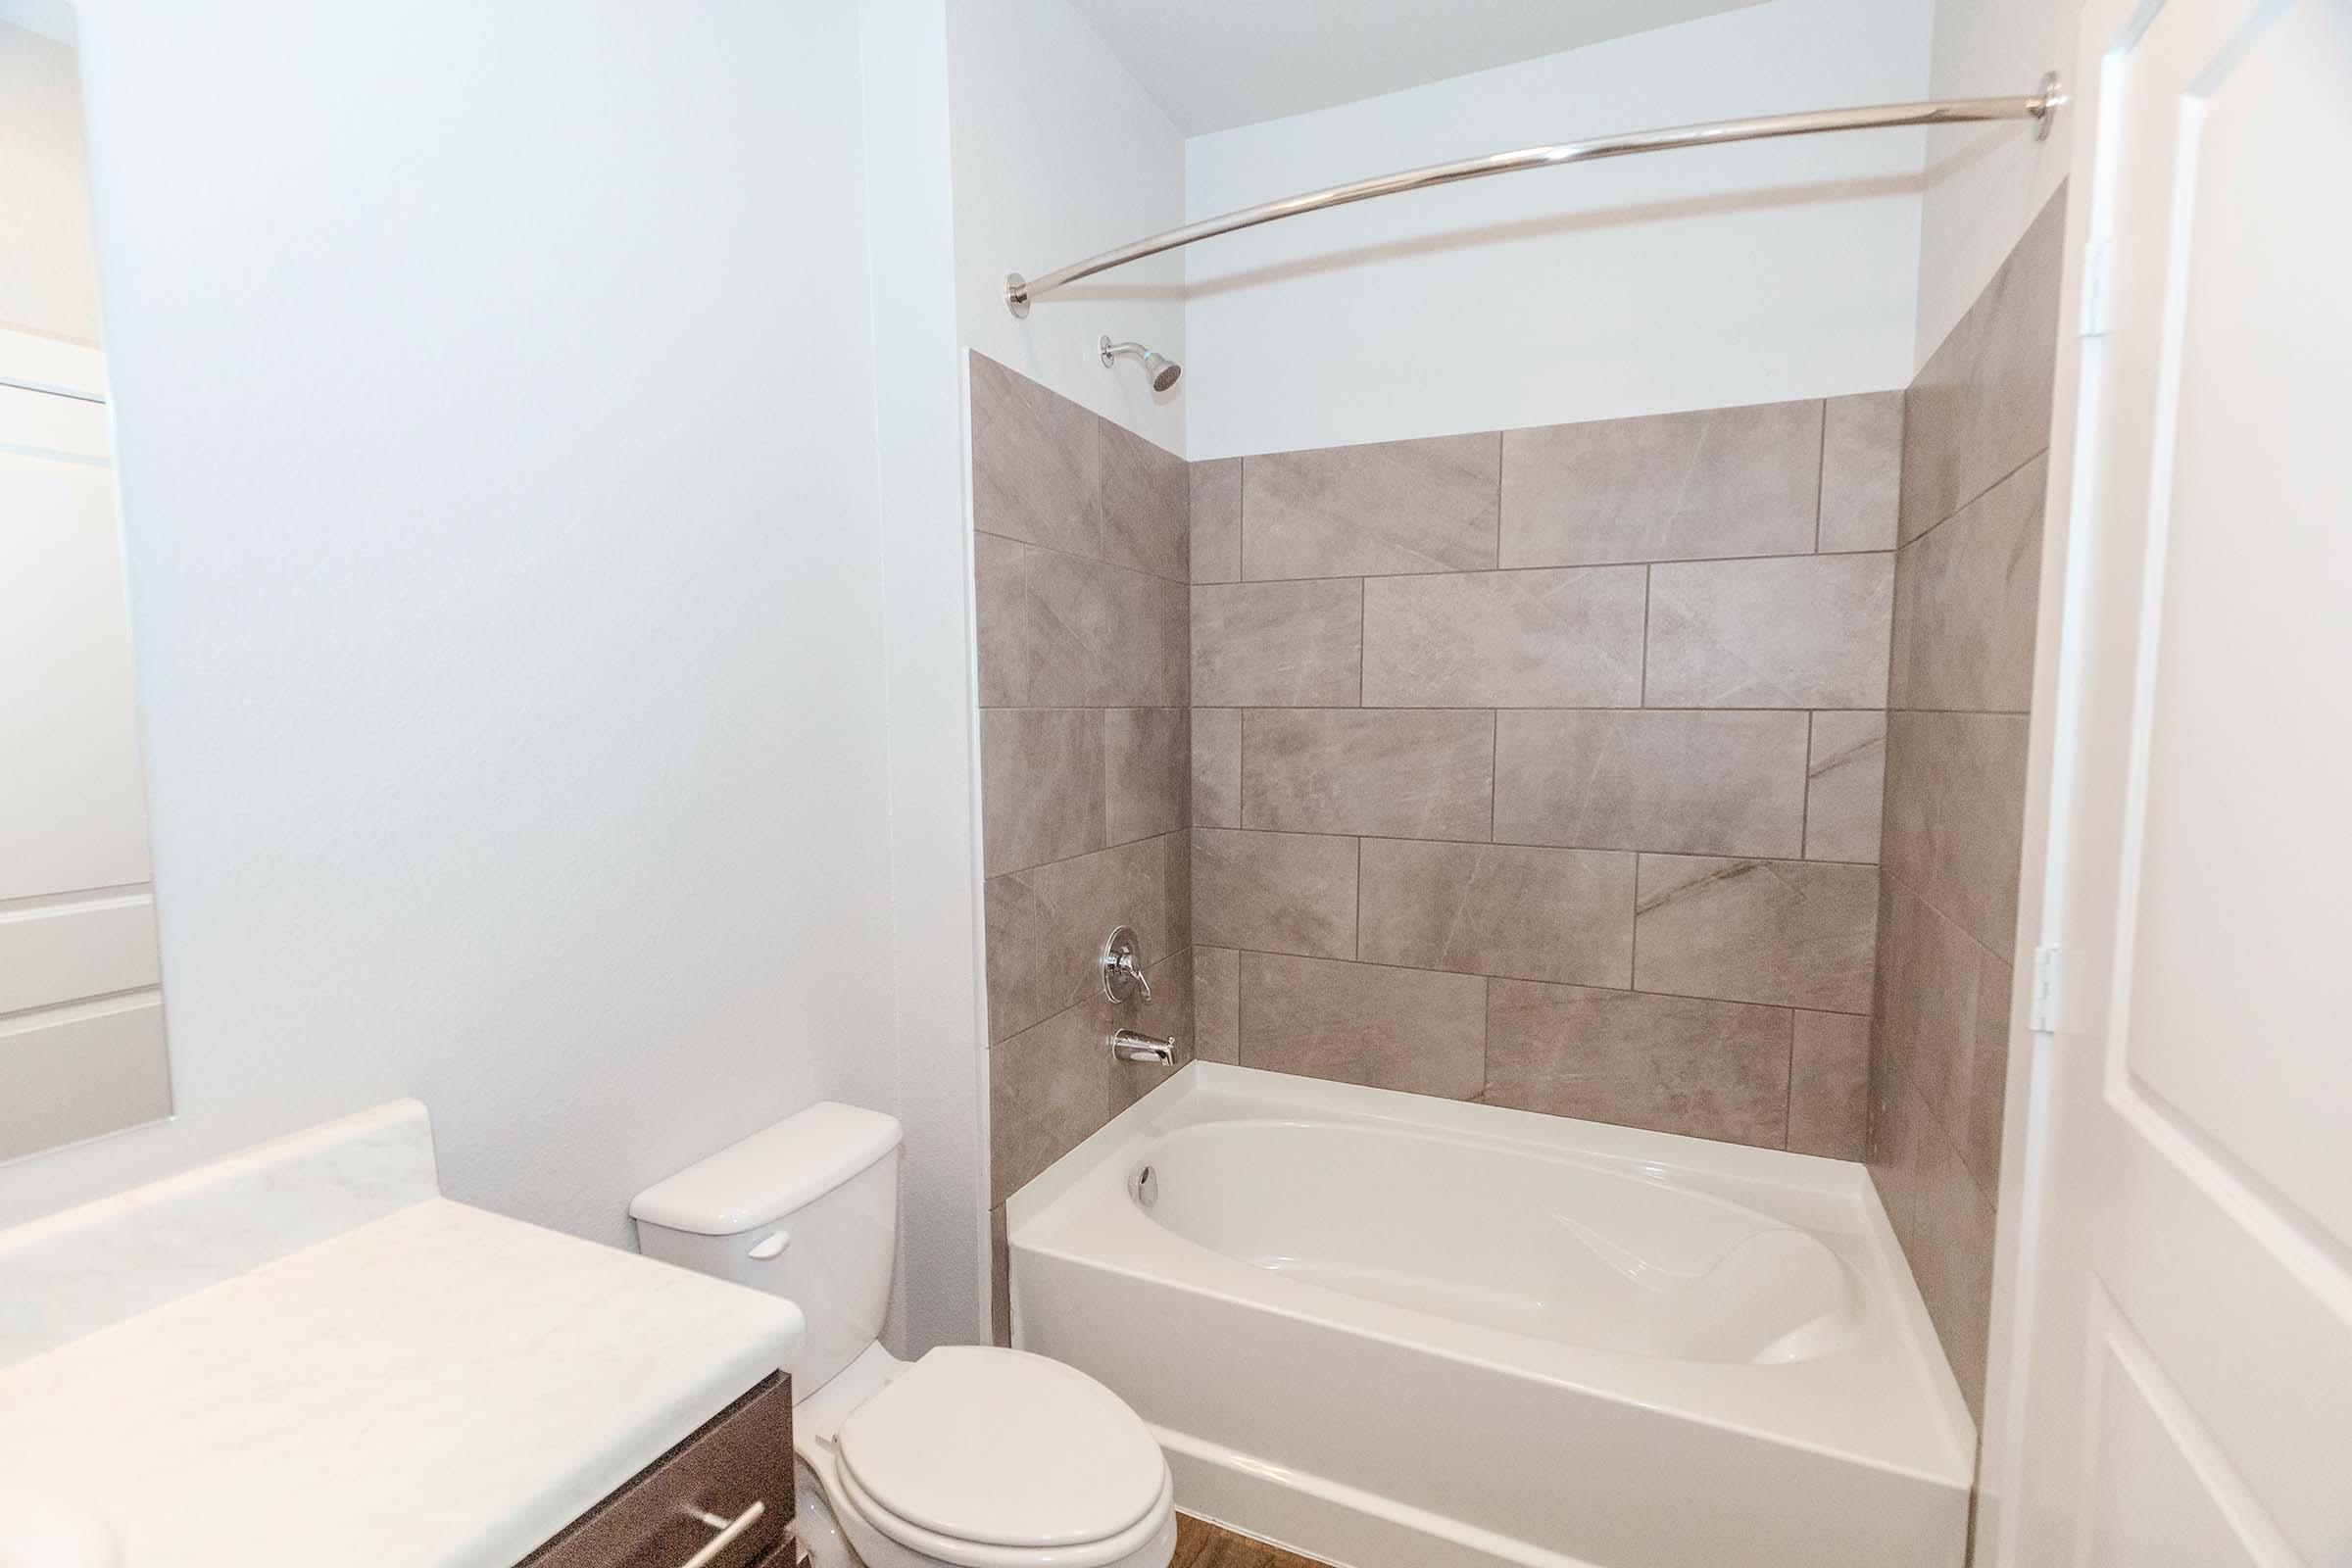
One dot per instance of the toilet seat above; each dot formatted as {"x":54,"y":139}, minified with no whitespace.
{"x":990,"y":1458}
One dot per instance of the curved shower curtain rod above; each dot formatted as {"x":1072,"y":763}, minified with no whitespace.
{"x":2039,"y":104}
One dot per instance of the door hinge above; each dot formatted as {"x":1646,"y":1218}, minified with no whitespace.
{"x":2041,"y":1015}
{"x":2097,"y":294}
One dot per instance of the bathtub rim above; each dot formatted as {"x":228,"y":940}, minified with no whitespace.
{"x":1209,"y":1092}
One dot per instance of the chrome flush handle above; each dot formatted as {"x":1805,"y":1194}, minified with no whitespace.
{"x":1123,"y":967}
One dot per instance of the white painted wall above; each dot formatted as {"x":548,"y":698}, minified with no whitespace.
{"x":49,"y":276}
{"x":1059,"y":155}
{"x":496,"y":432}
{"x":1986,"y":183}
{"x":1734,"y":274}
{"x":934,"y":851}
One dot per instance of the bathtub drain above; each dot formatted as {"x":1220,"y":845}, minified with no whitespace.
{"x":1146,"y":1187}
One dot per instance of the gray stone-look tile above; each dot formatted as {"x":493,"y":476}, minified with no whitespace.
{"x":1569,"y":638}
{"x":1275,"y":892}
{"x":1709,"y":1069}
{"x":1981,"y":405}
{"x":1216,"y":767}
{"x":1216,"y":486}
{"x":1408,"y":773}
{"x":1955,"y":815}
{"x":1740,"y":482}
{"x":1952,"y":1261}
{"x":1829,"y":1085}
{"x":1978,"y":1134}
{"x":1899,"y":1131}
{"x":1802,"y":631}
{"x":1932,"y":971}
{"x":1041,"y":785}
{"x":1278,"y":644}
{"x":1050,"y":472}
{"x":1861,"y":471}
{"x":1036,"y":463}
{"x":1176,"y":878}
{"x":1046,"y":1089}
{"x":1218,"y":1003}
{"x":1352,"y":511}
{"x":1499,"y":909}
{"x":1937,"y":419}
{"x":1790,"y":933}
{"x":1361,"y":1023}
{"x":1964,"y":602}
{"x":1147,"y":503}
{"x":1146,"y":771}
{"x":1845,"y":786}
{"x":1681,"y":781}
{"x":1058,"y":630}
{"x":1046,"y":927}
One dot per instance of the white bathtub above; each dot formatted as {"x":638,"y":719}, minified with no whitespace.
{"x":1395,"y":1331}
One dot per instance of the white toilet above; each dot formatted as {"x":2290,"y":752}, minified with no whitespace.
{"x":973,"y":1455}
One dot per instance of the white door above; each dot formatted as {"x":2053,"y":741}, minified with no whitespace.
{"x":2185,"y":1283}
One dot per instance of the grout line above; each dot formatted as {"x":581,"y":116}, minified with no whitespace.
{"x":1821,"y":472}
{"x":1953,"y":713}
{"x":1080,"y":555}
{"x":1500,"y":572}
{"x":1508,"y":708}
{"x":1240,"y":520}
{"x":1804,"y":836}
{"x":1644,"y":694}
{"x":1103,"y":848}
{"x":1363,"y":615}
{"x":1494,"y":766}
{"x":1789,"y":1007}
{"x":1241,"y":769}
{"x":1960,"y":510}
{"x":1486,"y":1043}
{"x":1789,"y":1082}
{"x":1359,"y":899}
{"x":1633,"y":920}
{"x":1496,"y":844}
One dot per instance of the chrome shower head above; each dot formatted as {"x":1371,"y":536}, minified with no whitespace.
{"x":1163,"y":371}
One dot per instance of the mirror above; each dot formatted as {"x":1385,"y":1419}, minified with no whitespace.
{"x":81,"y":1011}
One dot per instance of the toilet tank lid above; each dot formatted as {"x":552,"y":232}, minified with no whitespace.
{"x":771,"y":1173}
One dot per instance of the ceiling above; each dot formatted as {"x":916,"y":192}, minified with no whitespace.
{"x":1215,"y":64}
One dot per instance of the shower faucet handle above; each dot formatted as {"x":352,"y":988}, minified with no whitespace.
{"x":1123,"y":967}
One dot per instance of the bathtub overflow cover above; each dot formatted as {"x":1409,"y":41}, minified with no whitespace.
{"x":1146,"y":1187}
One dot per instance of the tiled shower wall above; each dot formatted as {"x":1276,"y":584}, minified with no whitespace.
{"x":1543,"y":766}
{"x":1976,"y":459}
{"x":1081,"y":557}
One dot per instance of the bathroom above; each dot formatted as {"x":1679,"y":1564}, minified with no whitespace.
{"x":1600,"y":867}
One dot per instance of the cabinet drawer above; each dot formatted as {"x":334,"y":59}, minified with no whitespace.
{"x":738,"y":1458}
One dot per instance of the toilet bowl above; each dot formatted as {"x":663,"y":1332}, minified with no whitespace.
{"x":982,"y":1458}
{"x":971,"y":1456}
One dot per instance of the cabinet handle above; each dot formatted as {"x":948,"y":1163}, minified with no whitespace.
{"x":730,"y":1531}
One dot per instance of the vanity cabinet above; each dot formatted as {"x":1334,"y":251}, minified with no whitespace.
{"x":722,"y":1499}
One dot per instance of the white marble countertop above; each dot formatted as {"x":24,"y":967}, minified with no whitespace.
{"x":439,"y":1386}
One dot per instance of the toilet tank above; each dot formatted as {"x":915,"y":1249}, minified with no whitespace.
{"x":807,"y":1209}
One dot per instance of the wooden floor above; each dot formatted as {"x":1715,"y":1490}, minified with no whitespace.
{"x":1203,"y":1545}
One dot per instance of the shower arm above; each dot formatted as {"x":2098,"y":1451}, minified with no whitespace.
{"x":2041,"y":106}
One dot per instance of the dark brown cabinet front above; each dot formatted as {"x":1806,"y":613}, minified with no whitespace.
{"x":732,"y":1478}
